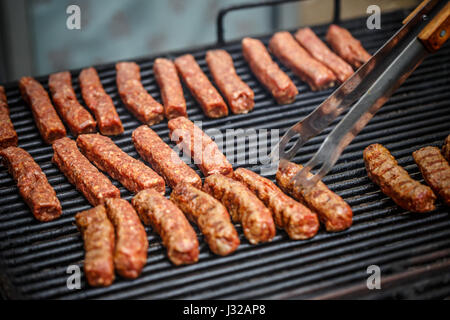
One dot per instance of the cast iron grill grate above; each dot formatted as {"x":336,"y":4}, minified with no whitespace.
{"x":412,"y":250}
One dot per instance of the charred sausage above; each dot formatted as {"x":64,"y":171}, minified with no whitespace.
{"x":170,"y":223}
{"x":395,"y":181}
{"x":435,"y":170}
{"x":243,"y":206}
{"x":210,"y":215}
{"x":296,"y":219}
{"x":446,"y":148}
{"x":98,"y":236}
{"x":332,"y":210}
{"x":33,"y":185}
{"x":130,"y":253}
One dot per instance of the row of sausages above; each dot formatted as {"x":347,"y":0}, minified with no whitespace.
{"x":77,"y":118}
{"x":396,"y":183}
{"x":305,"y":54}
{"x":256,"y":202}
{"x":308,"y":57}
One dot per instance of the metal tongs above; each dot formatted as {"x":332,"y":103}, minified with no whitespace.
{"x":424,"y":31}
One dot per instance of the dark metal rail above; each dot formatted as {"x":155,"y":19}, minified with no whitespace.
{"x":220,"y":25}
{"x":411,"y":250}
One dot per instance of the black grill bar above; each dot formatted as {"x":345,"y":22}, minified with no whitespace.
{"x":34,"y":257}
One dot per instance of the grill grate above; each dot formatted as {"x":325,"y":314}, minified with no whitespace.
{"x":412,"y":250}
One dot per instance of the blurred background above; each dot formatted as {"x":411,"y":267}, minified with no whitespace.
{"x":35,"y":40}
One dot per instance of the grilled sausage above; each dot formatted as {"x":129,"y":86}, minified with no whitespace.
{"x":292,"y":55}
{"x":130,"y":254}
{"x":95,"y":186}
{"x":77,"y":118}
{"x":395,"y":182}
{"x":332,"y":210}
{"x":98,"y":236}
{"x":296,"y":219}
{"x":33,"y":185}
{"x":347,"y":47}
{"x":47,"y":120}
{"x":163,"y":159}
{"x":210,"y":215}
{"x":202,"y":149}
{"x":201,"y":88}
{"x":319,"y":51}
{"x":8,"y":136}
{"x":170,"y":86}
{"x":243,"y":206}
{"x":268,"y":72}
{"x":435,"y":170}
{"x":170,"y":223}
{"x":134,"y":96}
{"x":108,"y":157}
{"x":100,"y":103}
{"x":239,"y":96}
{"x":446,"y":148}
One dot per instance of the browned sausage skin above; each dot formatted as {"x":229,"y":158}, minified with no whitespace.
{"x":201,"y":88}
{"x":98,"y":237}
{"x":47,"y":120}
{"x":346,"y":46}
{"x":170,"y":223}
{"x":130,"y":253}
{"x":8,"y":136}
{"x":446,"y":148}
{"x":134,"y":96}
{"x":32,"y":183}
{"x":332,"y":210}
{"x":210,"y":215}
{"x":171,"y":90}
{"x":268,"y":72}
{"x":319,"y":51}
{"x":395,"y":182}
{"x":200,"y":146}
{"x":77,"y":118}
{"x":435,"y":170}
{"x":163,"y":159}
{"x":291,"y":54}
{"x":239,"y":96}
{"x":94,"y":185}
{"x":296,"y":219}
{"x":107,"y":156}
{"x":243,"y":206}
{"x":100,"y":103}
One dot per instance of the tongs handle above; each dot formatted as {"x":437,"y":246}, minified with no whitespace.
{"x":436,"y":33}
